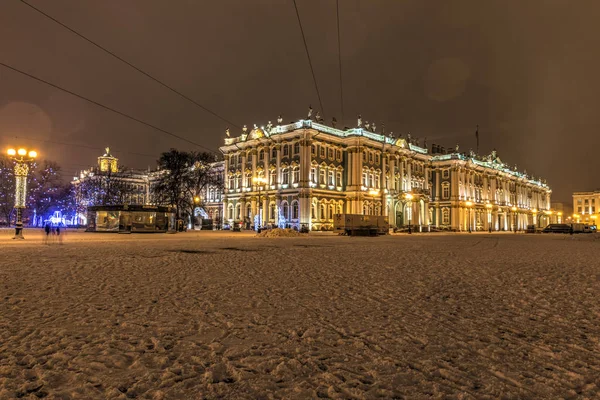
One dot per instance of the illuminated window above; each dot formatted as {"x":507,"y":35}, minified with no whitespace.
{"x":313,"y":174}
{"x":296,"y":177}
{"x":322,"y":176}
{"x":285,"y":210}
{"x":295,"y":210}
{"x":249,"y":210}
{"x":322,"y":214}
{"x":338,"y":179}
{"x":445,"y":192}
{"x":445,"y":216}
{"x":286,"y":176}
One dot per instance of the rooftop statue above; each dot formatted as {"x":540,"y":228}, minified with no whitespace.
{"x":227,"y":132}
{"x":279,"y":119}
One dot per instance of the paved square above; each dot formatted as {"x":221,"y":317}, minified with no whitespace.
{"x":226,"y":315}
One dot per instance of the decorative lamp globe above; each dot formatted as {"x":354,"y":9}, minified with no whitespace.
{"x":22,"y":152}
{"x":33,"y":154}
{"x":11,"y":152}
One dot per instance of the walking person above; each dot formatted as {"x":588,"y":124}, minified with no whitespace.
{"x":59,"y":237}
{"x":47,"y":232}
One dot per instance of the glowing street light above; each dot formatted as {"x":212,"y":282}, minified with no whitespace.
{"x":514,"y":210}
{"x":259,"y":181}
{"x":409,"y":197}
{"x":22,"y":159}
{"x":489,"y":206}
{"x":469,"y":204}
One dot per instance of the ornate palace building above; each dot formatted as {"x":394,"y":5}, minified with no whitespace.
{"x":305,"y":172}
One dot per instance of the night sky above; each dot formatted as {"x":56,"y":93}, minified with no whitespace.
{"x":526,"y":71}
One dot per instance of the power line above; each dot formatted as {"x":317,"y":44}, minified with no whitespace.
{"x":132,"y":66}
{"x":337,"y":9}
{"x":309,"y":61}
{"x":106,"y":107}
{"x":76,"y":145}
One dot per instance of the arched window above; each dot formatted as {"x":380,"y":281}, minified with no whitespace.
{"x":249,"y":210}
{"x":272,"y":211}
{"x":261,"y":155}
{"x":295,"y":210}
{"x":274,"y":153}
{"x":331,"y":211}
{"x":323,"y":214}
{"x":230,"y":211}
{"x":365,"y":209}
{"x":296,"y":147}
{"x":285,"y":210}
{"x":286,"y":176}
{"x":238,"y":211}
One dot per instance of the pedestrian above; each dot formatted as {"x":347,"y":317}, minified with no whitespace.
{"x":58,"y":234}
{"x":47,"y":231}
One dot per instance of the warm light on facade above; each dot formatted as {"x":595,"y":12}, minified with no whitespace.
{"x":408,"y":196}
{"x":469,"y":203}
{"x":489,"y":205}
{"x":514,"y":209}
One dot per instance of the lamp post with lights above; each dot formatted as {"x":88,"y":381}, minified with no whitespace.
{"x":469,"y":205}
{"x":409,"y":197}
{"x":22,"y":159}
{"x":514,"y":210}
{"x":489,"y":206}
{"x":259,"y":181}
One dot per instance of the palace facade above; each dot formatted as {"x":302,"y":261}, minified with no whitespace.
{"x":303,"y":173}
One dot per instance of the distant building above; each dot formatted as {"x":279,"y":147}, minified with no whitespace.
{"x":564,"y":211}
{"x":305,"y":172}
{"x":585,"y":206}
{"x":133,"y":187}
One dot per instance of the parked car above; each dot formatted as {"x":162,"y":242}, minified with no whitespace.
{"x":557,"y":228}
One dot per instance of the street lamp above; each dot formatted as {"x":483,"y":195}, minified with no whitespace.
{"x":22,"y":159}
{"x":409,"y":197}
{"x":469,"y":204}
{"x":514,"y":210}
{"x":259,"y":181}
{"x":489,"y":206}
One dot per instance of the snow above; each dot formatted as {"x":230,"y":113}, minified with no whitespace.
{"x":230,"y":315}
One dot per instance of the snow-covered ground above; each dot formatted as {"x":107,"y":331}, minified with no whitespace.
{"x":228,"y":315}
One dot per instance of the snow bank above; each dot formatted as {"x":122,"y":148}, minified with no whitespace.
{"x":279,"y":232}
